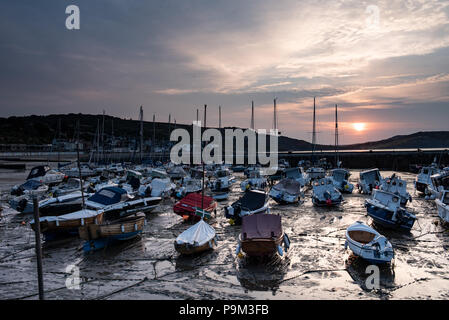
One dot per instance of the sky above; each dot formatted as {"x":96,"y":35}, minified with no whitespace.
{"x":384,"y":63}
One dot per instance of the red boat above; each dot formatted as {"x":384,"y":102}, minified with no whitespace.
{"x":189,"y":207}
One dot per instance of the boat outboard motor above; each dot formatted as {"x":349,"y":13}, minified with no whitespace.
{"x":134,"y":182}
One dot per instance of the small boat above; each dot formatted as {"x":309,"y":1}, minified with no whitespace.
{"x":340,"y":178}
{"x":443,"y":206}
{"x":74,"y":172}
{"x":223,"y":181}
{"x":102,"y":234}
{"x":315,"y":173}
{"x":46,"y":175}
{"x":385,"y":209}
{"x":397,"y":186}
{"x":116,"y":168}
{"x":298,"y":174}
{"x":31,"y":186}
{"x":423,"y":179}
{"x":188,"y":185}
{"x":176,"y":172}
{"x":368,"y":244}
{"x":369,"y":180}
{"x":254,"y":182}
{"x":188,"y":206}
{"x":324,"y":193}
{"x":162,"y":188}
{"x":198,"y":238}
{"x":61,"y":205}
{"x":252,"y":202}
{"x":72,"y":185}
{"x":262,"y":236}
{"x":53,"y":227}
{"x":118,"y":200}
{"x":439,"y":183}
{"x":286,"y":191}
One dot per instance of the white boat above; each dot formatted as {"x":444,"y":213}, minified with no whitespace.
{"x":198,"y":238}
{"x":340,"y":179}
{"x":222,"y":181}
{"x":162,"y":188}
{"x":298,"y":174}
{"x":324,"y":193}
{"x":254,"y":182}
{"x":368,"y":244}
{"x":315,"y":173}
{"x":30,"y":187}
{"x":46,"y":175}
{"x":286,"y":191}
{"x":369,"y":180}
{"x":116,"y":168}
{"x":443,"y":206}
{"x":72,"y":185}
{"x":397,"y":186}
{"x":176,"y":172}
{"x":439,"y":183}
{"x":188,"y":185}
{"x":423,"y":179}
{"x":252,"y":202}
{"x":74,"y":172}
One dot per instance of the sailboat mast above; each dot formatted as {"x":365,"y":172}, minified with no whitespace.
{"x":219,"y":117}
{"x":154,"y":133}
{"x":202,"y":190}
{"x":79,"y":164}
{"x":275,"y":120}
{"x":336,"y":138}
{"x":141,"y":133}
{"x":252,"y":115}
{"x":313,"y":132}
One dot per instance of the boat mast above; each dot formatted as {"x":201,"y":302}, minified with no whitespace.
{"x":154,"y":133}
{"x":219,"y":117}
{"x":202,"y":191}
{"x":336,"y":138}
{"x":102,"y":139}
{"x":275,"y":120}
{"x":141,"y":133}
{"x":313,"y":134}
{"x":252,"y":115}
{"x":78,"y":158}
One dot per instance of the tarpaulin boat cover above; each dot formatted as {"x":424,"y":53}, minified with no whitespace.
{"x":261,"y":226}
{"x":291,"y":186}
{"x":198,"y":234}
{"x":253,"y":199}
{"x":108,"y":196}
{"x":39,"y":171}
{"x":82,"y":214}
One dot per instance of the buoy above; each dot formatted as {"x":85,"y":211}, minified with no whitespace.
{"x":185,"y":217}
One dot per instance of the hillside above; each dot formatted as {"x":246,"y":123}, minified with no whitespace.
{"x":39,"y":130}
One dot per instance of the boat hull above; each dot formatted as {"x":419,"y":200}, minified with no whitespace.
{"x":383,"y":218}
{"x":188,"y":249}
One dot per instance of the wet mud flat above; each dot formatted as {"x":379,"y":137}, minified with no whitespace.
{"x":316,"y":267}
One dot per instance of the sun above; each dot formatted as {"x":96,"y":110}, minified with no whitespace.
{"x":358,"y":126}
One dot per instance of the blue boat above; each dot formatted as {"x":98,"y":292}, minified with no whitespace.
{"x":385,"y":209}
